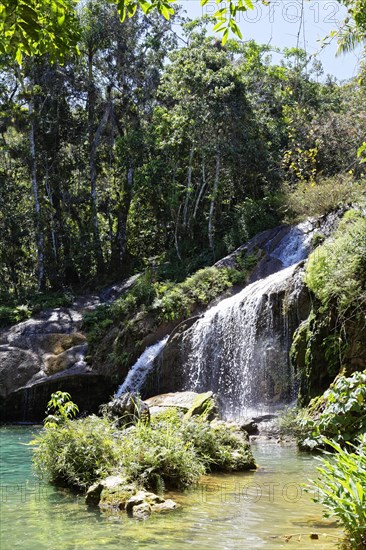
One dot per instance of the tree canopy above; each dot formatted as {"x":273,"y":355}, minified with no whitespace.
{"x":116,"y":159}
{"x":39,"y":26}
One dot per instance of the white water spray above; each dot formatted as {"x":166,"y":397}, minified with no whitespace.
{"x":239,"y":348}
{"x":138,"y":372}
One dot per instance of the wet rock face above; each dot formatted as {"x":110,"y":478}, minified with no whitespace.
{"x":29,"y":403}
{"x":248,"y":338}
{"x":17,"y":366}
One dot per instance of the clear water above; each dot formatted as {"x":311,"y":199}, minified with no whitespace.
{"x":224,"y":512}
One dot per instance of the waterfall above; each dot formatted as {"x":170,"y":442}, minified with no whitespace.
{"x":295,"y":246}
{"x":239,"y":348}
{"x":141,"y":368}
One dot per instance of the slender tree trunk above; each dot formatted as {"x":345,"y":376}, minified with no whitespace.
{"x":176,"y":243}
{"x":188,"y":188}
{"x":92,"y":167}
{"x":203,"y":187}
{"x":213,"y":203}
{"x":120,"y":241}
{"x":52,"y":224}
{"x":35,"y":191}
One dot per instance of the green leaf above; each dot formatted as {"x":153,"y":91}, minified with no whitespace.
{"x":225,"y":37}
{"x":145,"y":5}
{"x":18,"y":56}
{"x":220,"y":26}
{"x":234,"y":27}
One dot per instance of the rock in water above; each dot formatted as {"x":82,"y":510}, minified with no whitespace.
{"x":128,"y":409}
{"x":117,"y":493}
{"x":189,"y":403}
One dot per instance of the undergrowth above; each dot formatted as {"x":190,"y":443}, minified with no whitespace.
{"x":169,"y":452}
{"x":163,"y":300}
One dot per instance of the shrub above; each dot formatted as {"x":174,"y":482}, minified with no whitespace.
{"x":217,"y":446}
{"x":157,"y":456}
{"x":316,"y":199}
{"x":77,"y":452}
{"x":50,"y":300}
{"x":11,"y":315}
{"x":13,"y":312}
{"x":168,"y":452}
{"x":342,"y":488}
{"x":339,"y":414}
{"x":60,"y":408}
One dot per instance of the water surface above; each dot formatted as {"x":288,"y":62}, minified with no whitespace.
{"x":224,"y":512}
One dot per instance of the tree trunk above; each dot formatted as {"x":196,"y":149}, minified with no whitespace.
{"x":188,"y":188}
{"x":203,"y":187}
{"x":92,"y":169}
{"x":120,"y":241}
{"x":213,"y":203}
{"x":35,"y":191}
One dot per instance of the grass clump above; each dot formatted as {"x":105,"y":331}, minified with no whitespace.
{"x":169,"y":452}
{"x":175,"y":301}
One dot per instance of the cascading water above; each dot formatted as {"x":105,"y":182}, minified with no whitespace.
{"x":295,"y":246}
{"x":141,"y":368}
{"x":240,"y":348}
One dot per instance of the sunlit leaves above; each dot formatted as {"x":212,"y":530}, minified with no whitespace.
{"x":361,"y":153}
{"x":30,"y":27}
{"x":33,"y":27}
{"x":342,"y":488}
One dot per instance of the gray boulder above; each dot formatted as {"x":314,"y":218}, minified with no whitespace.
{"x":127,"y":409}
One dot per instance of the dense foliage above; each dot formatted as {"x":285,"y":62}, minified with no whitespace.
{"x":342,"y":489}
{"x":332,"y":339}
{"x":336,"y":271}
{"x":338,"y":415}
{"x":40,"y":26}
{"x":116,"y":160}
{"x":170,"y":451}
